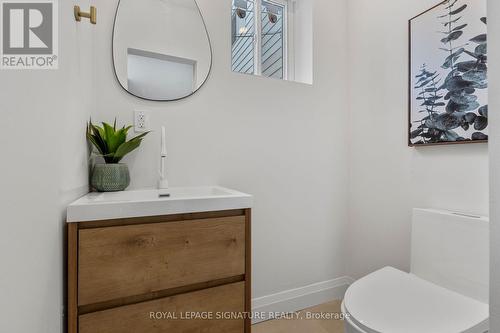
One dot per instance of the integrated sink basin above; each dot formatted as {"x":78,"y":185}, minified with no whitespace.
{"x":152,"y":202}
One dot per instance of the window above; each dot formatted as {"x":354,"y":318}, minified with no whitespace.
{"x":260,"y":37}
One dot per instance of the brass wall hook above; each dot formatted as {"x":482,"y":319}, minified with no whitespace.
{"x":92,"y":15}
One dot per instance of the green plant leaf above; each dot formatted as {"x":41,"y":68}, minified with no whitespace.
{"x":94,"y":142}
{"x":108,"y":131}
{"x":95,"y":136}
{"x":114,"y":138}
{"x":125,"y":149}
{"x":140,"y":136}
{"x":111,"y":143}
{"x":97,"y":130}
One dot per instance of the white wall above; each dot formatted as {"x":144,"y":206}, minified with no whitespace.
{"x":43,"y":167}
{"x":285,"y":144}
{"x":292,"y":154}
{"x":303,"y":36}
{"x":494,"y":117}
{"x":388,"y":179}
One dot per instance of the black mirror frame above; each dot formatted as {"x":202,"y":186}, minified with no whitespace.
{"x":161,"y":100}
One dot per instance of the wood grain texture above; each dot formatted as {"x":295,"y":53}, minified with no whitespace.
{"x":304,"y":325}
{"x":136,"y":318}
{"x":72,"y":278}
{"x":157,"y":295}
{"x":122,"y":261}
{"x":160,"y":219}
{"x":248,"y":268}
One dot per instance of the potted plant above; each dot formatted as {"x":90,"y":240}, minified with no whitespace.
{"x":112,"y":145}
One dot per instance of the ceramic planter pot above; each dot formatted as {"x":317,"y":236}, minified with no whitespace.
{"x":110,"y":177}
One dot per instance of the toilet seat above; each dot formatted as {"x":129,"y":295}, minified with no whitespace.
{"x":391,"y":301}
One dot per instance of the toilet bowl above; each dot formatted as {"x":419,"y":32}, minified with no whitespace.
{"x":391,"y":301}
{"x":446,"y":291}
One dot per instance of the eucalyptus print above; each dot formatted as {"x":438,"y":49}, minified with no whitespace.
{"x":449,"y":103}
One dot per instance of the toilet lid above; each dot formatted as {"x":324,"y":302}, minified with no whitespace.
{"x":391,"y":301}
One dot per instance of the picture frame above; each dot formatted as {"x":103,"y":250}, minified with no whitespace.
{"x":447,"y":83}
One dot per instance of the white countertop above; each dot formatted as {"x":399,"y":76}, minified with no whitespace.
{"x":137,"y":203}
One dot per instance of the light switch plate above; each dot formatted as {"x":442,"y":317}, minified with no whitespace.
{"x":141,"y":121}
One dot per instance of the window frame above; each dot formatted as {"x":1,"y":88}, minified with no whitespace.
{"x":287,"y":37}
{"x":258,"y":35}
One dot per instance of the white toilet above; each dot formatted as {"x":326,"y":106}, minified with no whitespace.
{"x":446,"y":291}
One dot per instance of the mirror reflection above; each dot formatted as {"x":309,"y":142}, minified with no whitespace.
{"x":161,"y":48}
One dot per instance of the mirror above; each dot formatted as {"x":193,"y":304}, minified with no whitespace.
{"x":161,"y":48}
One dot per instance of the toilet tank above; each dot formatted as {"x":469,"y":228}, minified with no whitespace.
{"x":451,"y":250}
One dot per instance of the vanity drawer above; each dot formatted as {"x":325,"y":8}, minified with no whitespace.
{"x":123,"y":261}
{"x":136,"y":318}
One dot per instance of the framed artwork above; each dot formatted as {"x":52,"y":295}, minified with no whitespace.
{"x":448,"y":83}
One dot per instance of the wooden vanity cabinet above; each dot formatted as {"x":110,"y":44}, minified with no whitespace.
{"x":175,"y":273}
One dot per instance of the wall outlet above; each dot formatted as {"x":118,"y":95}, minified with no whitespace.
{"x":141,"y":121}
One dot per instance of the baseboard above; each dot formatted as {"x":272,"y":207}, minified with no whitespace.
{"x":299,"y":298}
